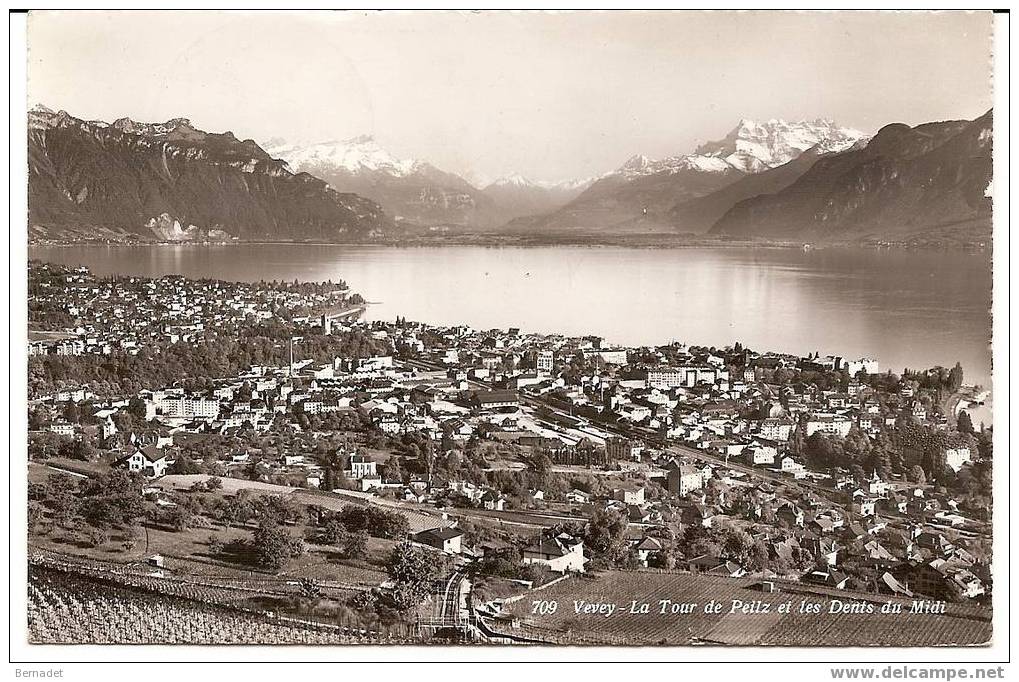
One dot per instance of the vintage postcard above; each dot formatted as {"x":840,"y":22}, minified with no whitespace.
{"x":481,"y":329}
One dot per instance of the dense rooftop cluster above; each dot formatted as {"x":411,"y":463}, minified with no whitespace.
{"x":725,"y":461}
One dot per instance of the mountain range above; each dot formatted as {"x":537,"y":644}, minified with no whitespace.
{"x":643,"y":194}
{"x":810,"y":180}
{"x":172,"y":181}
{"x":904,"y":181}
{"x":416,"y":192}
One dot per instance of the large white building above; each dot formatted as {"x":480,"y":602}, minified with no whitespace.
{"x":187,"y":407}
{"x":867,"y":365}
{"x":688,"y":375}
{"x":835,"y":424}
{"x":777,"y":429}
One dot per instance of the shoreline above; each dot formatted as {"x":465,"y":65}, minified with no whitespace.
{"x":649,"y":241}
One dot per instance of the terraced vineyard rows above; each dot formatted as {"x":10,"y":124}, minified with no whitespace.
{"x":69,"y":607}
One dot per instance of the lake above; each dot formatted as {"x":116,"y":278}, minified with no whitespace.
{"x":903,"y":308}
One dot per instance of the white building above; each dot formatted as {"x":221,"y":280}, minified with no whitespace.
{"x":187,"y":407}
{"x":545,"y":361}
{"x":562,"y":553}
{"x":834,"y":424}
{"x":956,"y":457}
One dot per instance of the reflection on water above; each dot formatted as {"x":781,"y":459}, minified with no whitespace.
{"x":906,"y":309}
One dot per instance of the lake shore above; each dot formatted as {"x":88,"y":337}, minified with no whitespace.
{"x":648,"y":240}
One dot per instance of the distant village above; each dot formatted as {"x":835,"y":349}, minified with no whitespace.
{"x":572,"y":454}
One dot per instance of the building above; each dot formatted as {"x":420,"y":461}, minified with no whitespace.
{"x":488,"y":400}
{"x":545,"y":361}
{"x":562,"y":553}
{"x":863,"y":505}
{"x":629,"y":496}
{"x":684,"y":479}
{"x":837,"y":425}
{"x":620,"y":447}
{"x":648,"y":548}
{"x":189,"y":407}
{"x":760,"y":455}
{"x":956,"y":457}
{"x":149,"y":460}
{"x":777,"y":429}
{"x":865,"y":365}
{"x":446,"y":539}
{"x":359,"y":466}
{"x":673,"y":377}
{"x":62,"y":428}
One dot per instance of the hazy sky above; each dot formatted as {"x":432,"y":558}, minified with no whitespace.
{"x":549,"y":95}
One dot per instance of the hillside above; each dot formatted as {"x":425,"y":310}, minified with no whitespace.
{"x":699,"y":214}
{"x":932,"y":178}
{"x":641,"y":195}
{"x":171,"y":181}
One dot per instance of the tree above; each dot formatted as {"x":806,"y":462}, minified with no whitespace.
{"x":703,"y":546}
{"x":38,"y":418}
{"x":964,"y":423}
{"x":136,"y":408}
{"x":412,"y":572}
{"x":333,"y":533}
{"x":736,"y":545}
{"x":62,"y":496}
{"x":113,"y":499}
{"x":77,"y":448}
{"x":955,"y":377}
{"x":215,"y":545}
{"x":273,"y":546}
{"x":606,"y":534}
{"x":356,"y":545}
{"x":917,"y":475}
{"x":392,"y":470}
{"x":71,"y":412}
{"x":184,"y":465}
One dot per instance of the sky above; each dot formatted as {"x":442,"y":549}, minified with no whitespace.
{"x":548,"y":95}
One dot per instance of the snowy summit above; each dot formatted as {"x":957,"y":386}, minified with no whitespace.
{"x":751,"y":147}
{"x":355,"y":155}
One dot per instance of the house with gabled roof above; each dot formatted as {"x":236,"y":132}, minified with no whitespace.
{"x":562,"y":553}
{"x":448,"y":540}
{"x":147,"y":459}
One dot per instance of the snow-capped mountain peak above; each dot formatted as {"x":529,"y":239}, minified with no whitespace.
{"x":751,"y":147}
{"x":513,"y":180}
{"x":357,"y":154}
{"x":518,"y":181}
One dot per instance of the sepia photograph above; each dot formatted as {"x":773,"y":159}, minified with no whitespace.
{"x":621,"y":331}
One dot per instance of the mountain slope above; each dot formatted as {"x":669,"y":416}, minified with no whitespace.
{"x":173,"y":181}
{"x":412,"y":191}
{"x":698,"y":215}
{"x":642,"y":193}
{"x":905,"y":180}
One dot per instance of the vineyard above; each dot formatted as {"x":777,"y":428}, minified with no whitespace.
{"x":960,"y":625}
{"x":82,"y":605}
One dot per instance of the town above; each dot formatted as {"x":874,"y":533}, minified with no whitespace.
{"x":426,"y":475}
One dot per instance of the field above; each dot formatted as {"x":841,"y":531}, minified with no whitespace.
{"x":417,"y":519}
{"x":67,"y":608}
{"x":962,"y":624}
